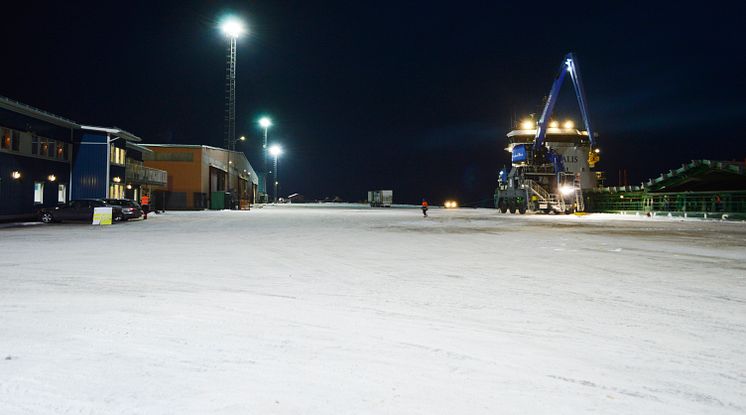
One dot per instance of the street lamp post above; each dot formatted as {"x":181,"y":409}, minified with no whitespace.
{"x":275,"y":151}
{"x":233,"y":29}
{"x":265,"y":122}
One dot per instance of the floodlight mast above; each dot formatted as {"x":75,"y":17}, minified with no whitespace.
{"x":265,"y":123}
{"x":233,"y":29}
{"x":275,"y":151}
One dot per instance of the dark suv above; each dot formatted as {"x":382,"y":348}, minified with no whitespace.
{"x":78,"y":210}
{"x":130,"y":208}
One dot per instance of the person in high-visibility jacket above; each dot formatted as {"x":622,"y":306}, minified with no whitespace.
{"x":145,"y":203}
{"x":424,"y":207}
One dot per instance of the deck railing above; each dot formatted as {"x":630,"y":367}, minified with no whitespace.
{"x":137,"y":173}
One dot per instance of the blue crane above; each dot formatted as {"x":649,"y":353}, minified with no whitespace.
{"x":568,"y":66}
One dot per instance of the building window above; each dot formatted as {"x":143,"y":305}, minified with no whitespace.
{"x":38,"y":192}
{"x":116,"y":191}
{"x":16,"y":140}
{"x":61,"y":193}
{"x":43,"y":147}
{"x":34,"y":144}
{"x":61,"y":151}
{"x":117,"y":155}
{"x":5,"y":143}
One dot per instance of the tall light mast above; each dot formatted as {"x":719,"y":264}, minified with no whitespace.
{"x":233,"y":29}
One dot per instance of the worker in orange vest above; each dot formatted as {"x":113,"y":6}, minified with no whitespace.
{"x":145,"y":203}
{"x":424,"y":207}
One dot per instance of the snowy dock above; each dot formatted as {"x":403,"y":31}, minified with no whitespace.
{"x":351,"y":310}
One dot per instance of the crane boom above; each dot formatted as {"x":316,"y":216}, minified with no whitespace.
{"x":568,"y":66}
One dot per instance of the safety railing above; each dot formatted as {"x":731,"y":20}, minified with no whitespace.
{"x":138,"y":173}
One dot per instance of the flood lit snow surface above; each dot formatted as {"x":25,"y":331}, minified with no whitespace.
{"x":351,"y":310}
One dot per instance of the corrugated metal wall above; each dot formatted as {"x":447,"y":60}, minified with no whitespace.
{"x":89,"y":167}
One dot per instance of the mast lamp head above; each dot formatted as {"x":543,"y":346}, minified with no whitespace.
{"x":232,"y":27}
{"x":275,"y":150}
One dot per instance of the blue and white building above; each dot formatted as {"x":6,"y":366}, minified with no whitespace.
{"x":46,"y":160}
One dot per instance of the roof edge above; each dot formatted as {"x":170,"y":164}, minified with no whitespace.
{"x":33,"y":112}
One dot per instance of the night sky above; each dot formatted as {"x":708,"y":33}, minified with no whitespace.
{"x":413,"y":97}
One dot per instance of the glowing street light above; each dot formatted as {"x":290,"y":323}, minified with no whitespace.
{"x":233,"y":27}
{"x":265,"y":122}
{"x":275,"y":151}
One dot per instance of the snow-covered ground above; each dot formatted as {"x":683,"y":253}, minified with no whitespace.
{"x":350,"y":310}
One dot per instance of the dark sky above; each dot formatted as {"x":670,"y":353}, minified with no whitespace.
{"x":415,"y":97}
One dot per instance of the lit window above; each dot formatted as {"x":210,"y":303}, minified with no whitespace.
{"x":61,"y":193}
{"x":60,"y":151}
{"x":44,"y":149}
{"x":5,"y":139}
{"x":117,"y":155}
{"x":38,"y":192}
{"x":116,"y":191}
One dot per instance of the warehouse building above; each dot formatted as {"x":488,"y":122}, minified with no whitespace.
{"x":46,"y":160}
{"x":202,"y":177}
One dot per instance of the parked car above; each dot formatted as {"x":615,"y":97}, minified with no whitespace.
{"x":130,"y":208}
{"x":78,"y":210}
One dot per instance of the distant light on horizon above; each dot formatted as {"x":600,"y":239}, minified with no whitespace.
{"x":527,"y":124}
